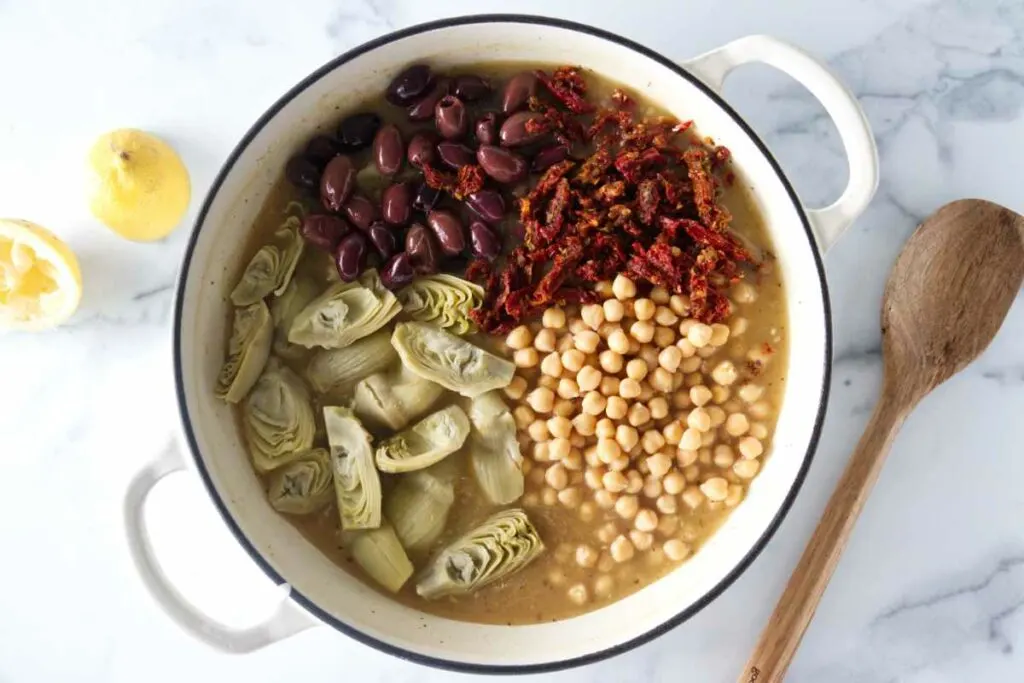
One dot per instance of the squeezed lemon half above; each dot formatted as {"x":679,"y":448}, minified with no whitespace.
{"x":40,"y":282}
{"x":139,"y":187}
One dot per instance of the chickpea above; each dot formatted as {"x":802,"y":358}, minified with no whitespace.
{"x":737,"y":424}
{"x":586,"y":556}
{"x":618,"y":342}
{"x":692,"y":472}
{"x":759,"y":431}
{"x":573,"y":360}
{"x":750,"y":392}
{"x":551,"y":365}
{"x":614,"y":482}
{"x":719,"y":335}
{"x":556,"y":477}
{"x":699,"y":419}
{"x":643,"y":309}
{"x":665,"y":317}
{"x":567,"y":388}
{"x":686,"y":456}
{"x":634,"y":346}
{"x":610,"y":361}
{"x":673,"y":432}
{"x":652,"y":441}
{"x":670,"y":358}
{"x":565,"y":343}
{"x":699,"y":335}
{"x":707,"y":351}
{"x":587,"y":341}
{"x":607,"y":533}
{"x":516,"y":388}
{"x":666,"y":504}
{"x":636,"y":482}
{"x":642,"y":331}
{"x":609,"y":386}
{"x":663,"y":336}
{"x":608,"y":449}
{"x":725,"y":373}
{"x":613,"y":310}
{"x":735,"y":495}
{"x":750,"y":447}
{"x":541,"y":451}
{"x":691,"y":364}
{"x":674,"y":483}
{"x":593,"y":404}
{"x":548,"y":496}
{"x":642,"y":540}
{"x":605,"y":429}
{"x":738,"y":326}
{"x":553,"y":318}
{"x":661,"y":380}
{"x":627,"y":506}
{"x":646,"y":520}
{"x":715,"y":488}
{"x":676,"y":550}
{"x":621,"y":549}
{"x":592,"y":477}
{"x":559,"y":427}
{"x":686,"y":348}
{"x":616,"y":407}
{"x":564,"y":407}
{"x":744,"y":293}
{"x":548,"y":382}
{"x":519,"y":338}
{"x":723,"y":456}
{"x":588,"y":378}
{"x":658,"y":408}
{"x":690,"y":440}
{"x":646,"y":392}
{"x":628,"y":388}
{"x":545,"y":341}
{"x":538,"y":430}
{"x":587,"y":511}
{"x":619,"y":464}
{"x":679,"y":304}
{"x":559,"y":449}
{"x":746,"y":469}
{"x":523,"y":416}
{"x":574,"y":461}
{"x":526,"y":358}
{"x":593,"y":316}
{"x":603,"y":586}
{"x":760,"y":410}
{"x":623,"y":288}
{"x":692,"y":497}
{"x":603,"y":288}
{"x":604,"y":499}
{"x":700,"y":395}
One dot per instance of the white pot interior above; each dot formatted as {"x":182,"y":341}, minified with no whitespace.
{"x":217,"y":253}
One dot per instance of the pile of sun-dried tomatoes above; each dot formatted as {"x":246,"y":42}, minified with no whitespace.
{"x":645,"y":202}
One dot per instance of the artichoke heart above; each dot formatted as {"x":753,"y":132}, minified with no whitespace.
{"x":449,"y":360}
{"x":283,"y":309}
{"x":277,"y":418}
{"x":494,"y":450}
{"x":356,"y":482}
{"x":391,"y":400}
{"x":443,"y":300}
{"x":303,"y":486}
{"x":418,"y":507}
{"x":345,"y":313}
{"x":380,"y":554}
{"x":495,"y":550}
{"x":336,"y":371}
{"x":270,"y":270}
{"x":248,"y":350}
{"x":425,"y":443}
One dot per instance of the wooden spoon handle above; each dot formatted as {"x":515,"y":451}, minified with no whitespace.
{"x":796,"y":607}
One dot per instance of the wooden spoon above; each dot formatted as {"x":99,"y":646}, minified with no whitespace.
{"x":947,"y":295}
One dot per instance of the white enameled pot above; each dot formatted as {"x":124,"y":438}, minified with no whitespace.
{"x":320,"y":592}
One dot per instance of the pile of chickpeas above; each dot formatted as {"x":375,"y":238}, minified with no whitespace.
{"x":637,"y":418}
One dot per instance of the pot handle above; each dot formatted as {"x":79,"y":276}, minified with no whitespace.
{"x":831,"y":221}
{"x":287,"y":620}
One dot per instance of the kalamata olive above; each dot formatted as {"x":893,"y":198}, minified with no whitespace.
{"x":383,"y":239}
{"x":350,"y":256}
{"x":519,"y":89}
{"x":322,"y":149}
{"x":426,"y":197}
{"x":388,"y":150}
{"x":448,"y":229}
{"x":409,"y":85}
{"x":450,"y":117}
{"x":455,"y":154}
{"x":549,"y":156}
{"x":487,"y":204}
{"x":301,"y":172}
{"x":360,"y":211}
{"x":423,"y":109}
{"x":422,"y":248}
{"x":323,"y":230}
{"x":357,"y":131}
{"x":513,"y":132}
{"x":396,"y":203}
{"x":501,"y":164}
{"x":398,"y":271}
{"x":337,"y":182}
{"x":470,"y":88}
{"x":422,"y":149}
{"x":483,"y":241}
{"x":486,"y":129}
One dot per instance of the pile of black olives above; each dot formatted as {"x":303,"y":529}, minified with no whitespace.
{"x":412,"y":228}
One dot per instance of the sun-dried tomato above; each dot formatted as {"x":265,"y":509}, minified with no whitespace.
{"x":471,"y":179}
{"x":610,"y":192}
{"x":621,"y":98}
{"x":568,"y":87}
{"x":556,"y":213}
{"x":647,"y":200}
{"x":594,"y":168}
{"x":478,"y":270}
{"x":610,"y":122}
{"x":633,"y":165}
{"x":705,"y":191}
{"x":439,"y":180}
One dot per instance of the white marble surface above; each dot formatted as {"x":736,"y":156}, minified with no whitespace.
{"x":931,"y":588}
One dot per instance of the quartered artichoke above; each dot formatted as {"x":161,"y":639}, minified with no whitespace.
{"x":449,"y":360}
{"x":443,"y":300}
{"x":356,"y":481}
{"x":248,"y":349}
{"x":346,"y":312}
{"x":496,"y":549}
{"x":302,"y":486}
{"x":418,"y":507}
{"x":425,"y":443}
{"x":381,"y":556}
{"x":494,"y":450}
{"x":336,"y":371}
{"x":283,"y":309}
{"x":391,"y":400}
{"x":270,"y":270}
{"x":277,"y":418}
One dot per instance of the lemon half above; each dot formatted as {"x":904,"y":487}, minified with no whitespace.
{"x":40,"y":282}
{"x":139,"y":187}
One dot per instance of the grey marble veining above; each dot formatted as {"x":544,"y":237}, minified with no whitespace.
{"x":931,"y":589}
